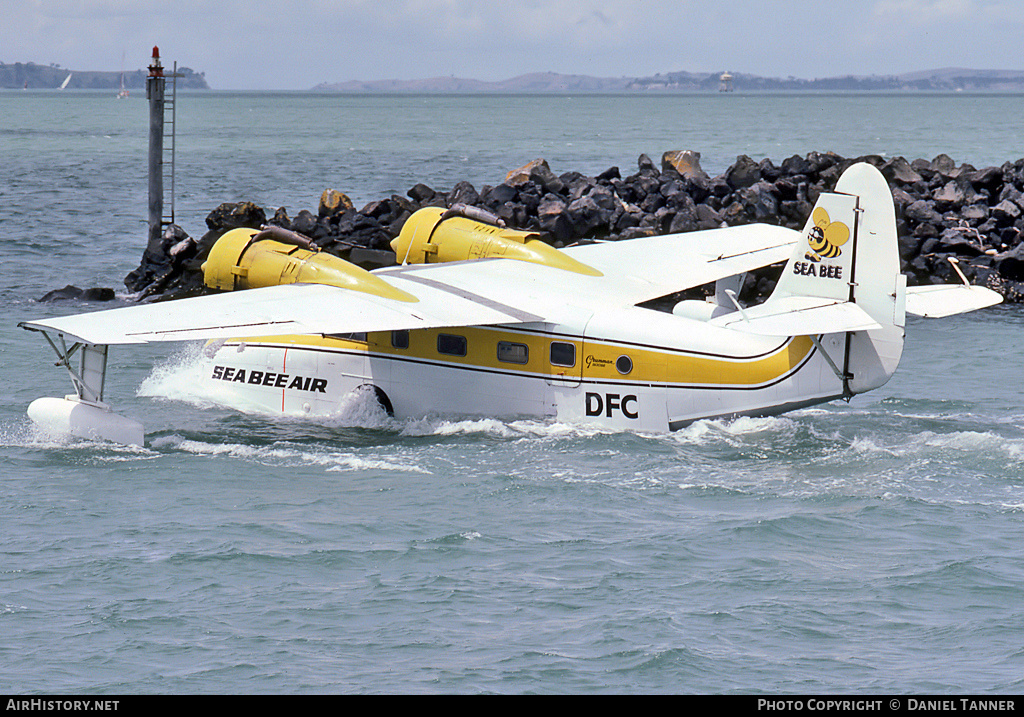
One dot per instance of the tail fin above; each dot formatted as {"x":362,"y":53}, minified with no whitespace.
{"x":848,"y":249}
{"x":843,"y":281}
{"x":848,"y":252}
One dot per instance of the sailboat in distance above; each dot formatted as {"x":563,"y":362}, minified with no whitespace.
{"x":122,"y":93}
{"x":66,"y":81}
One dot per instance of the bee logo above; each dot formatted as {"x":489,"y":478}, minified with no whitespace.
{"x":825,"y":237}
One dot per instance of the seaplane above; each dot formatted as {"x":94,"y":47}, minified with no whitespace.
{"x":478,"y":319}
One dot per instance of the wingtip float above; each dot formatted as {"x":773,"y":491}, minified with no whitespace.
{"x":482,"y":320}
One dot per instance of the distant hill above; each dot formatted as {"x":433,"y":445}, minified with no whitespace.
{"x":19,"y":75}
{"x":947,"y":79}
{"x":536,"y":82}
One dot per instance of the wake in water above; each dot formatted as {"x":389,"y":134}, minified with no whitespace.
{"x":28,"y":435}
{"x":286,"y":454}
{"x":930,"y":450}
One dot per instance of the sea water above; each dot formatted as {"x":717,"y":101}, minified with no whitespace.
{"x":873,"y":546}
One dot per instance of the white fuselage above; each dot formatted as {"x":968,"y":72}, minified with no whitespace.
{"x":635,"y":368}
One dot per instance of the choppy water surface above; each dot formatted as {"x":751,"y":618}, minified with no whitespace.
{"x":873,"y":546}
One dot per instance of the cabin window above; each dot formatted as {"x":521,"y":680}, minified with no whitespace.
{"x":451,"y":345}
{"x":355,"y":336}
{"x":623,"y":364}
{"x":513,"y":353}
{"x":400,"y":339}
{"x":563,"y":354}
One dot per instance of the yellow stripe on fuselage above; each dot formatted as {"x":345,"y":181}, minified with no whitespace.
{"x":595,"y":360}
{"x":668,"y":366}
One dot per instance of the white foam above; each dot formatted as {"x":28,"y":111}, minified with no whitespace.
{"x":180,"y":376}
{"x":868,"y":446}
{"x":33,"y":435}
{"x":527,"y":429}
{"x":735,"y":430}
{"x":282,"y":454}
{"x":746,"y":424}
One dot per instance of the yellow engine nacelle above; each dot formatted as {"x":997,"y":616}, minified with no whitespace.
{"x":247,"y":259}
{"x":435,"y":235}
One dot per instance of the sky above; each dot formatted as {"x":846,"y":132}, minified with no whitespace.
{"x":297,"y":44}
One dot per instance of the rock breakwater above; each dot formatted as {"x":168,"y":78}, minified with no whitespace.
{"x":943,"y":210}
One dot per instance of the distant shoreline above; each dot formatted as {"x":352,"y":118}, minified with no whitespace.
{"x":28,"y":75}
{"x":140,"y":92}
{"x":944,"y":80}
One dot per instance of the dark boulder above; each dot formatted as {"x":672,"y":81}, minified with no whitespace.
{"x":922,"y":211}
{"x":235,"y":215}
{"x":1010,"y":264}
{"x":538,"y":172}
{"x":944,"y":166}
{"x":588,"y":214}
{"x":305,"y":223}
{"x":630,"y":217}
{"x":685,"y":219}
{"x":554,"y":219}
{"x":797,"y":165}
{"x":422,"y":195}
{"x":162,"y":262}
{"x":73,"y":293}
{"x":1006,"y":213}
{"x":500,"y":195}
{"x":463,"y":193}
{"x":950,"y":196}
{"x":975,"y":213}
{"x":898,"y":170}
{"x":707,"y":218}
{"x":646,"y":166}
{"x":820,"y":161}
{"x":961,"y":241}
{"x":761,"y":202}
{"x":280,"y":219}
{"x":743,"y":173}
{"x":987,"y":180}
{"x":769,"y":172}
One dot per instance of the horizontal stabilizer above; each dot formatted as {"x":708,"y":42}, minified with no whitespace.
{"x":799,"y":316}
{"x":940,"y":300}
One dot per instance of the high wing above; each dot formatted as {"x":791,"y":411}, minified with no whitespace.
{"x":644,"y":269}
{"x":278,"y":310}
{"x":466,"y":293}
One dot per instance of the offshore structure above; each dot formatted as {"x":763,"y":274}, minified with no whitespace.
{"x":161,"y":147}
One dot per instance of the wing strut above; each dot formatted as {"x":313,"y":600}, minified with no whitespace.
{"x":83,"y":413}
{"x":88,"y":382}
